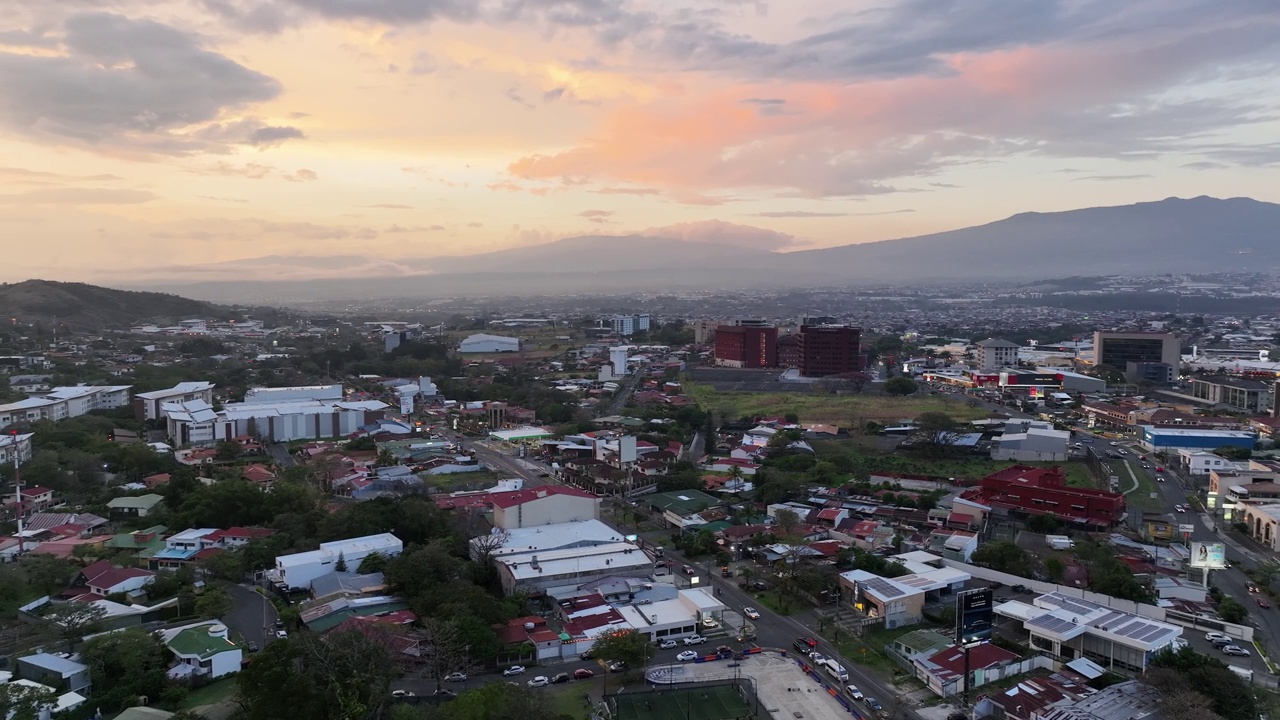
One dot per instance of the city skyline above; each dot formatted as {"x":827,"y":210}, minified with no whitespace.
{"x":150,"y":140}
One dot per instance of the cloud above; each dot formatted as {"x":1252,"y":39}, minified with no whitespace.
{"x":719,"y":232}
{"x":1112,"y":178}
{"x":393,"y":12}
{"x":553,"y":94}
{"x":436,"y":228}
{"x":128,"y":85}
{"x":798,"y":214}
{"x":79,"y":196}
{"x":627,"y":191}
{"x":398,"y":229}
{"x":1205,"y":165}
{"x":388,"y":206}
{"x":24,"y":176}
{"x":943,"y":185}
{"x":474,"y":224}
{"x":273,"y":135}
{"x":885,"y":212}
{"x":252,"y":171}
{"x":597,"y":216}
{"x":302,"y":175}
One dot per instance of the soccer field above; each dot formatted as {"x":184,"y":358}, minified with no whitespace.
{"x":704,"y":703}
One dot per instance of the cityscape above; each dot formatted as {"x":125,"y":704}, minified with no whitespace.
{"x":639,"y":360}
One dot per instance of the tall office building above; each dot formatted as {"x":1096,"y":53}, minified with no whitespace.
{"x":829,"y":350}
{"x":746,"y":347}
{"x":630,"y":324}
{"x":1118,"y":349}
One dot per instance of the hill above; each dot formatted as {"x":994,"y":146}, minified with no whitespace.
{"x":80,"y":306}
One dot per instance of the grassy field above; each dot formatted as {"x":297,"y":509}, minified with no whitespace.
{"x":1140,"y":497}
{"x":842,"y":410}
{"x":971,"y":467}
{"x":211,"y":694}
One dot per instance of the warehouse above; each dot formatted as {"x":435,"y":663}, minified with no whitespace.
{"x":1165,"y":439}
{"x":484,"y":343}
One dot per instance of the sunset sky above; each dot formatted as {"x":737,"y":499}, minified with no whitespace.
{"x":147,"y":140}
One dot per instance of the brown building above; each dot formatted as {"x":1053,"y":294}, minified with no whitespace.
{"x":746,"y":347}
{"x":790,"y":354}
{"x":829,"y":350}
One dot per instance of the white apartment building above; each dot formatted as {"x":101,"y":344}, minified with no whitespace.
{"x":197,"y":423}
{"x":64,"y":402}
{"x":12,"y":446}
{"x":149,"y":404}
{"x":994,"y":354}
{"x":630,"y":324}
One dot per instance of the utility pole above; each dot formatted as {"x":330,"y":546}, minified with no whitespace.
{"x":17,"y":485}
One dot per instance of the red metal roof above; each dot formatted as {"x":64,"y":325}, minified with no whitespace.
{"x":513,"y":498}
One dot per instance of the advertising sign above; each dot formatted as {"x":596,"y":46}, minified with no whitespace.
{"x":1208,"y":555}
{"x":973,"y":616}
{"x":1031,"y":379}
{"x":1186,"y":529}
{"x":406,"y":405}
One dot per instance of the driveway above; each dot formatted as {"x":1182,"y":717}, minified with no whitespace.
{"x":252,"y":617}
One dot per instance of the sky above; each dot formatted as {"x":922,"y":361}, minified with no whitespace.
{"x":148,"y":140}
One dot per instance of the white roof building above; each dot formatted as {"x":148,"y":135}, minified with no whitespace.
{"x":485,"y":343}
{"x":297,"y":571}
{"x":64,"y":402}
{"x":290,"y":394}
{"x":152,"y":402}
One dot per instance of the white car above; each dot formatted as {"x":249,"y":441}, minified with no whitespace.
{"x":402,"y":693}
{"x":1211,"y":636}
{"x":282,"y":635}
{"x":1235,"y":650}
{"x":667,"y":644}
{"x":540,"y":681}
{"x":818,"y":658}
{"x":456,"y":677}
{"x":853,"y":692}
{"x":694,"y":640}
{"x":751,"y":613}
{"x":687,"y":656}
{"x":513,"y":670}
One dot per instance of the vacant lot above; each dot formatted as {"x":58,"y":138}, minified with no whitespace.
{"x":842,"y":410}
{"x":970,"y":467}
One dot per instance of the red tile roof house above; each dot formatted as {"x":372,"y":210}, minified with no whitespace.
{"x":155,"y":481}
{"x":258,"y":474}
{"x":103,"y":578}
{"x":944,"y":671}
{"x":237,"y":536}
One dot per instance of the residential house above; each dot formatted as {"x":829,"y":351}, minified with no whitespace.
{"x":202,"y":651}
{"x":142,"y":543}
{"x":56,"y":671}
{"x":944,"y":671}
{"x":134,"y":505}
{"x":258,"y":474}
{"x":34,"y":499}
{"x":190,"y":545}
{"x":103,"y":579}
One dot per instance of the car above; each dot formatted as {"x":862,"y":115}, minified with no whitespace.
{"x":1251,"y":587}
{"x":1114,"y":444}
{"x":873,"y":704}
{"x":588,"y":655}
{"x":818,"y":658}
{"x":1142,"y":457}
{"x":710,"y":623}
{"x":724,"y":650}
{"x":539,"y":681}
{"x":853,"y":692}
{"x":1146,"y":466}
{"x":1235,"y":650}
{"x":1211,"y":636}
{"x":687,"y":656}
{"x":445,"y":693}
{"x":513,"y":671}
{"x":805,"y":645}
{"x":560,"y":678}
{"x":1179,"y":509}
{"x":616,"y":666}
{"x":456,"y":677}
{"x":279,"y":623}
{"x":282,"y":634}
{"x":1262,"y":603}
{"x":1159,"y":469}
{"x":667,"y":644}
{"x":402,"y":694}
{"x":726,"y":571}
{"x":1221,"y":642}
{"x":995,"y":584}
{"x":1021,"y":589}
{"x":694,"y":640}
{"x":751,"y":613}
{"x":1159,"y":478}
{"x":583,"y":674}
{"x":688,"y":570}
{"x":253,"y":646}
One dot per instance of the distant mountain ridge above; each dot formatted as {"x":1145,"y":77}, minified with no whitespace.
{"x":1196,"y":235}
{"x":80,"y":306}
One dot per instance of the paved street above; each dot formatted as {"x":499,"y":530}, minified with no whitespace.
{"x":252,"y":617}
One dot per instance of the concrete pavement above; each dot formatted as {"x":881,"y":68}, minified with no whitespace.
{"x":252,"y":617}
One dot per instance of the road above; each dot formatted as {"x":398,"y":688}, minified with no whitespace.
{"x":279,"y":452}
{"x":624,"y":392}
{"x":528,"y":470}
{"x":252,"y":617}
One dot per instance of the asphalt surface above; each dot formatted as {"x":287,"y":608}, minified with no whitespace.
{"x":252,"y":617}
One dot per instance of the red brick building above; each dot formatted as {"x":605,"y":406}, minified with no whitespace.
{"x":790,"y":354}
{"x":746,"y":347}
{"x":1044,"y":491}
{"x":829,"y":350}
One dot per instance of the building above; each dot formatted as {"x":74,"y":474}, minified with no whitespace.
{"x":283,"y":420}
{"x":1118,"y":349}
{"x":1044,"y":491}
{"x":533,"y":559}
{"x":56,"y":671}
{"x":1031,"y":441}
{"x":317,"y":393}
{"x":943,"y":671}
{"x":830,"y":350}
{"x":790,"y":351}
{"x":1168,"y":439}
{"x":60,"y":403}
{"x":15,"y":445}
{"x":899,"y":605}
{"x":993,"y":354}
{"x":630,"y":324}
{"x":1132,"y":700}
{"x":1065,"y":628}
{"x":1155,"y":373}
{"x":1240,"y":394}
{"x":544,"y":505}
{"x":1263,"y":521}
{"x":297,"y":571}
{"x":704,"y":331}
{"x":746,"y":347}
{"x":147,"y":404}
{"x":103,"y":578}
{"x":134,"y":506}
{"x":202,"y":651}
{"x":485,"y":343}
{"x":1199,"y":462}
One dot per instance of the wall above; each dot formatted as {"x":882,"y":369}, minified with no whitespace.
{"x":546,"y":511}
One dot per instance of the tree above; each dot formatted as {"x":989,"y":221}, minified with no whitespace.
{"x":786,"y":521}
{"x":625,"y":646}
{"x":499,"y":701}
{"x":445,"y":651}
{"x":1231,"y":610}
{"x":1230,"y":696}
{"x":124,"y":665}
{"x":1233,"y":453}
{"x":935,"y":433}
{"x":900,"y":385}
{"x":228,"y":450}
{"x":23,"y":702}
{"x":74,"y":619}
{"x":1004,"y":556}
{"x":1055,"y":568}
{"x":341,"y":565}
{"x":214,"y":602}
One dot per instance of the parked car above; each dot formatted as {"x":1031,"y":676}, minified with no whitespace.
{"x":710,"y":623}
{"x":818,"y":659}
{"x":402,"y":694}
{"x":560,"y":678}
{"x":1235,"y":650}
{"x":1221,"y":642}
{"x":1211,"y":636}
{"x":445,"y":693}
{"x":1021,"y":589}
{"x":588,"y":655}
{"x":513,"y":670}
{"x":687,"y":656}
{"x":253,"y":646}
{"x":751,"y":613}
{"x":456,"y":677}
{"x":694,"y":640}
{"x":724,"y":650}
{"x":583,"y":674}
{"x":282,"y":634}
{"x":616,"y":666}
{"x":667,"y":644}
{"x":726,"y":571}
{"x":539,"y":681}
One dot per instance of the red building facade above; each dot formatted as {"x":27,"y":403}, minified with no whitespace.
{"x":746,"y":347}
{"x":830,"y":350}
{"x":1044,"y":491}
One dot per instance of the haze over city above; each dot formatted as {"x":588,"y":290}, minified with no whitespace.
{"x":147,"y":140}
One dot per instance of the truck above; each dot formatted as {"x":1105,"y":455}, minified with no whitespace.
{"x":1059,"y":542}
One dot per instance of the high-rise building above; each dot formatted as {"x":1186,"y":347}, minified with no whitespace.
{"x":630,"y":324}
{"x":994,"y":354}
{"x":829,"y":350}
{"x":746,"y":347}
{"x":790,"y":354}
{"x":1118,"y":349}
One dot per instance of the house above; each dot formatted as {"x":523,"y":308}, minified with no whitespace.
{"x":154,"y":481}
{"x":34,"y":499}
{"x":56,"y":671}
{"x":544,"y":505}
{"x":237,"y":536}
{"x":141,"y":542}
{"x":944,"y":671}
{"x":297,"y":571}
{"x":899,"y":605}
{"x":258,"y":474}
{"x":202,"y":651}
{"x":1031,"y":441}
{"x":103,"y":578}
{"x":134,"y":506}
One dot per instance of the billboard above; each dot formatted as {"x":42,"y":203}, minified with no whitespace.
{"x":1208,"y":555}
{"x":1021,"y":378}
{"x":406,"y":405}
{"x":973,"y":616}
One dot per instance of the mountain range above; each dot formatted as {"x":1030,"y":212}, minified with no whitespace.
{"x":79,"y":306}
{"x":1196,"y":235}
